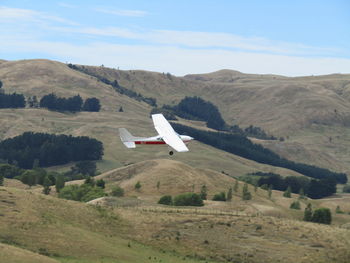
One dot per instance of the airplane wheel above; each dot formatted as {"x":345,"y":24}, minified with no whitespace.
{"x":171,"y":153}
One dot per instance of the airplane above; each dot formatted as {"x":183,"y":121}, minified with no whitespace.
{"x":166,"y":135}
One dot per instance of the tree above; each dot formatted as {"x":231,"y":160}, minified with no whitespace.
{"x":188,"y":199}
{"x":90,"y":181}
{"x":301,"y":193}
{"x":338,"y":210}
{"x":47,"y":183}
{"x":295,"y":205}
{"x":86,"y":168}
{"x":165,"y":200}
{"x":229,"y":194}
{"x":59,"y":183}
{"x":1,"y":180}
{"x":322,"y":215}
{"x":220,"y":197}
{"x":246,"y":195}
{"x":121,"y":109}
{"x":203,"y":193}
{"x":117,"y":191}
{"x":269,"y":189}
{"x":92,"y":104}
{"x":346,"y":189}
{"x":100,"y":183}
{"x":235,"y":187}
{"x":28,"y":177}
{"x":308,"y":213}
{"x":287,"y":193}
{"x":138,"y":186}
{"x":0,"y":84}
{"x":158,"y":185}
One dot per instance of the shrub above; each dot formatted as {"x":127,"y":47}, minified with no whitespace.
{"x":117,"y":191}
{"x":220,"y":197}
{"x":295,"y":205}
{"x":188,"y":199}
{"x":322,"y":215}
{"x":100,"y":183}
{"x":138,"y":186}
{"x":287,"y":193}
{"x":308,"y":213}
{"x":83,"y":193}
{"x":346,"y":189}
{"x":166,"y":200}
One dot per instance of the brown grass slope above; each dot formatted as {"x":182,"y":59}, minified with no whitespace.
{"x":67,"y":231}
{"x":11,"y":254}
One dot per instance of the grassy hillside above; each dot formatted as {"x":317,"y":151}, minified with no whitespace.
{"x":67,"y":231}
{"x":287,"y":107}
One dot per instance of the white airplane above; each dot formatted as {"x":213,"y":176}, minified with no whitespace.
{"x":167,"y":135}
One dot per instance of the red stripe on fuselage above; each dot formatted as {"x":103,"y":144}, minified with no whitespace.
{"x":149,"y":142}
{"x":153,"y":142}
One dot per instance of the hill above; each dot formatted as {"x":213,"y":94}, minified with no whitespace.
{"x":298,"y":109}
{"x":224,"y":231}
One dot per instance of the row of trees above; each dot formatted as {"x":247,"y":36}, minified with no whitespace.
{"x":49,"y":149}
{"x":118,"y":88}
{"x":313,"y":188}
{"x":36,"y":176}
{"x":72,"y":104}
{"x":13,"y":100}
{"x":242,"y":146}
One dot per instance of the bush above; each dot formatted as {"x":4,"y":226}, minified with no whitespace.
{"x":287,"y":193}
{"x":220,"y":197}
{"x":100,"y":183}
{"x":83,"y":193}
{"x":322,"y":215}
{"x":346,"y":189}
{"x":188,"y":199}
{"x":166,"y":200}
{"x":295,"y":205}
{"x":117,"y":191}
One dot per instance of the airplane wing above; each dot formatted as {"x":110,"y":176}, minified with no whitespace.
{"x":167,"y":133}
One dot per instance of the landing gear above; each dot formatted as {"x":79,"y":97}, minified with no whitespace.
{"x":171,"y":153}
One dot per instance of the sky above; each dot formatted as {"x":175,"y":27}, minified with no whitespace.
{"x":291,"y":38}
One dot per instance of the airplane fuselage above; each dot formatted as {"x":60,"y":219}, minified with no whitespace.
{"x":158,"y":140}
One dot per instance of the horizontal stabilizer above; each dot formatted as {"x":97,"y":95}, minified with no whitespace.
{"x":130,"y":144}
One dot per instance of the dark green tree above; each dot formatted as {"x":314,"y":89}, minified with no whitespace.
{"x":308,"y":213}
{"x":117,"y":191}
{"x":203,"y":193}
{"x":229,"y":194}
{"x":100,"y":183}
{"x":188,"y":199}
{"x":246,"y":195}
{"x":85,"y":168}
{"x":138,"y":186}
{"x":90,"y":181}
{"x":92,"y":104}
{"x":60,"y":182}
{"x":220,"y":197}
{"x":166,"y":200}
{"x":47,"y":183}
{"x":287,"y":193}
{"x":121,"y":109}
{"x":322,"y":215}
{"x":295,"y":205}
{"x":1,"y":180}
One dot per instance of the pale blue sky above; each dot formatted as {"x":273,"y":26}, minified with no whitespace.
{"x":290,"y":38}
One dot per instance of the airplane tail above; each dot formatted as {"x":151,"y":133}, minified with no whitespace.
{"x":127,"y":138}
